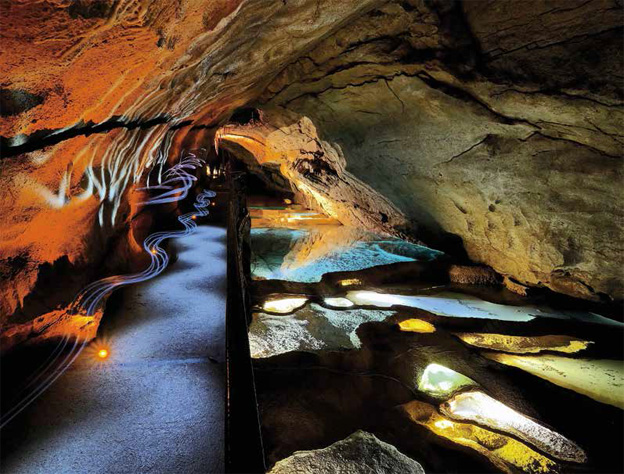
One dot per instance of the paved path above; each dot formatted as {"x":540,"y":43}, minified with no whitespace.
{"x":157,"y":405}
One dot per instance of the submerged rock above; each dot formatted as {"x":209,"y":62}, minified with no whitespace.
{"x":311,"y":328}
{"x":478,"y":407}
{"x":600,"y":379}
{"x":506,"y":453}
{"x":360,"y":453}
{"x":525,"y":344}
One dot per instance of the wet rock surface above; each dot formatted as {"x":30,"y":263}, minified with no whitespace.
{"x":433,"y":373}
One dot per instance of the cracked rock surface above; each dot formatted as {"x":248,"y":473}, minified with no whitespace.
{"x":511,"y":149}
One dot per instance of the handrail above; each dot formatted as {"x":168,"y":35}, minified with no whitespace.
{"x":244,"y":452}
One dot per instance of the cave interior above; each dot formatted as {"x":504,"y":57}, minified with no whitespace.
{"x":355,"y":236}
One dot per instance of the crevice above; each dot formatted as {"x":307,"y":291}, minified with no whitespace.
{"x":562,"y":139}
{"x":395,"y":95}
{"x":44,"y":138}
{"x":557,"y":93}
{"x":465,"y":151}
{"x":396,"y":49}
{"x":465,"y":96}
{"x":497,"y":53}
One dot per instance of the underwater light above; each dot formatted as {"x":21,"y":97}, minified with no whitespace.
{"x":416,"y":325}
{"x":438,"y":381}
{"x":284,"y":305}
{"x":600,"y":379}
{"x":338,"y":302}
{"x":484,"y":410}
{"x":443,"y":424}
{"x":524,"y":344}
{"x":373,"y":298}
{"x":349,"y":282}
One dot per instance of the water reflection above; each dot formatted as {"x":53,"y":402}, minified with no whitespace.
{"x":465,"y":306}
{"x":304,"y":255}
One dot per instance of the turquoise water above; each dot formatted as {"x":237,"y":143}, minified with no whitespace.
{"x":304,"y":255}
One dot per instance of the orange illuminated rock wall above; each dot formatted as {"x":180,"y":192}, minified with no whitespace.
{"x":315,"y":170}
{"x":95,"y":94}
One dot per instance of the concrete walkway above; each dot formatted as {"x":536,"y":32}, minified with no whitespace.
{"x":157,"y":404}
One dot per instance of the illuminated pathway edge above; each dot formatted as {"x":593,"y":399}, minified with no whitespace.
{"x":177,"y":182}
{"x":156,"y":403}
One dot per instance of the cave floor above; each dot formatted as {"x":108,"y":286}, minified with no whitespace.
{"x":157,"y":403}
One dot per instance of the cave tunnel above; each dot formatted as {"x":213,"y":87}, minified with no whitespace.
{"x":320,"y":236}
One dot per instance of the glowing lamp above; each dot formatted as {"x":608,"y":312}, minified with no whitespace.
{"x":193,"y":217}
{"x":102,"y":354}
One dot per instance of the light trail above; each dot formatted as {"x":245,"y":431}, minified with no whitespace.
{"x":175,"y":186}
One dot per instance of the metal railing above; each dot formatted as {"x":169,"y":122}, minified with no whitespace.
{"x":243,"y":438}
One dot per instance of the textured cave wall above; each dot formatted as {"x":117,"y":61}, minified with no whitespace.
{"x":496,"y":124}
{"x":96,"y":94}
{"x":285,"y":150}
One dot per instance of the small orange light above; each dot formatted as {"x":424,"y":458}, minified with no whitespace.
{"x":99,"y":351}
{"x":193,"y":217}
{"x":153,"y":250}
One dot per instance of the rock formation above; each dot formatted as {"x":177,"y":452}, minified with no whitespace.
{"x":499,"y":129}
{"x":346,"y":457}
{"x":490,"y":131}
